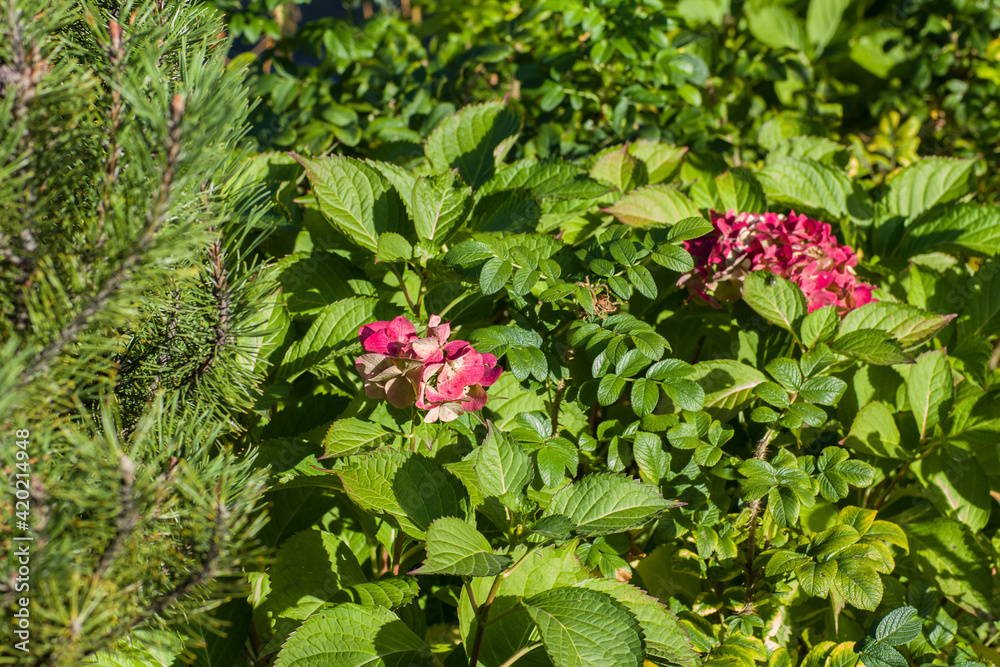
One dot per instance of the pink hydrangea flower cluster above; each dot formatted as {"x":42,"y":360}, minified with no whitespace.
{"x":446,"y":378}
{"x":795,"y":247}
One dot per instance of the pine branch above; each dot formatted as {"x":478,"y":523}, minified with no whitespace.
{"x":222,"y":298}
{"x":155,"y":217}
{"x":128,"y":515}
{"x":115,"y":55}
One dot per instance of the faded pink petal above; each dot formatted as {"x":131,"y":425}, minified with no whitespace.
{"x":438,"y":330}
{"x":400,"y":392}
{"x":476,"y":399}
{"x":428,"y":350}
{"x":445,"y":412}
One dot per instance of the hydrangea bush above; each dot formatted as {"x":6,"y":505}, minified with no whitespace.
{"x":792,"y":246}
{"x":552,"y":413}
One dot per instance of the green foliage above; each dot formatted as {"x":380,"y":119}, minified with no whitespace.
{"x":795,"y":473}
{"x":653,"y":478}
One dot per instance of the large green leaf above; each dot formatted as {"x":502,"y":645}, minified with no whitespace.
{"x":859,"y":584}
{"x":927,"y":183}
{"x":807,"y":186}
{"x":728,"y":385}
{"x":585,"y":628}
{"x":413,"y":489}
{"x":959,"y":489}
{"x":980,"y":313}
{"x":874,"y":432}
{"x":666,"y":639}
{"x":350,"y":635}
{"x":553,"y":179}
{"x":541,"y":570}
{"x":661,"y":159}
{"x":653,"y":206}
{"x":507,"y":211}
{"x":351,"y":435}
{"x":310,"y":569}
{"x":388,"y":592}
{"x":474,"y":140}
{"x":947,"y":552}
{"x":312,"y":281}
{"x":608,"y":503}
{"x":899,"y":626}
{"x":909,"y":325}
{"x":961,"y":227}
{"x":617,"y":167}
{"x":822,"y":20}
{"x":333,"y":331}
{"x":455,"y":547}
{"x":739,"y":190}
{"x":870,"y":345}
{"x":357,"y":200}
{"x":440,"y":204}
{"x":777,"y":300}
{"x":929,"y":386}
{"x":775,"y":26}
{"x":502,"y":465}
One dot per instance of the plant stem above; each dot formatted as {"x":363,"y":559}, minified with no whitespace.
{"x":760,"y":454}
{"x":397,"y":552}
{"x":510,"y":661}
{"x":406,"y":293}
{"x":902,"y":471}
{"x":472,"y":596}
{"x":482,"y":615}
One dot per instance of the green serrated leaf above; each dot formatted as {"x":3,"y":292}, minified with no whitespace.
{"x":310,"y":568}
{"x":928,"y":182}
{"x":608,"y":503}
{"x":819,"y":326}
{"x":474,"y":140}
{"x":331,"y":333}
{"x":495,"y":274}
{"x":929,"y":387}
{"x":389,"y":592}
{"x":652,"y":207}
{"x":618,"y":168}
{"x":349,"y":635}
{"x":579,"y":627}
{"x":665,"y":638}
{"x":777,"y":300}
{"x":860,"y":585}
{"x":610,"y":389}
{"x":823,"y":390}
{"x":808,"y":186}
{"x":909,"y":325}
{"x":351,"y":435}
{"x":899,"y":626}
{"x":455,"y":547}
{"x":355,"y":198}
{"x":502,"y":465}
{"x":440,"y":204}
{"x":870,"y":345}
{"x":393,"y":248}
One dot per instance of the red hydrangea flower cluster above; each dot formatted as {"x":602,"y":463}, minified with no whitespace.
{"x":446,"y":378}
{"x":795,"y":247}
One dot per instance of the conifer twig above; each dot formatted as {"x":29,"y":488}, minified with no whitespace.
{"x":128,"y":516}
{"x":155,"y":217}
